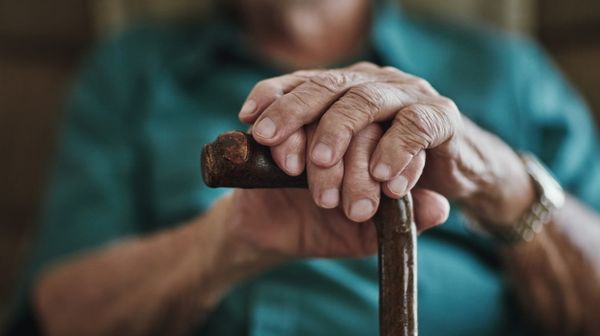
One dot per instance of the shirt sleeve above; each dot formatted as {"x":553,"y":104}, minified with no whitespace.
{"x":90,"y":198}
{"x":565,"y":135}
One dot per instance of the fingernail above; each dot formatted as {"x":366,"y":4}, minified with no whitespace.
{"x":382,"y":171}
{"x":398,"y":185}
{"x":361,"y":209}
{"x":292,"y":163}
{"x":266,"y":128}
{"x":248,"y":107}
{"x":330,"y":198}
{"x":322,"y":153}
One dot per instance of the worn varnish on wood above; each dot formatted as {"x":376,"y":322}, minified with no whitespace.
{"x":235,"y":160}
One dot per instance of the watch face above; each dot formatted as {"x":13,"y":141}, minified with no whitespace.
{"x":554,"y":193}
{"x":550,"y":189}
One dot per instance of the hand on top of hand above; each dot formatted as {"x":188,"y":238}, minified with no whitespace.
{"x":329,"y":122}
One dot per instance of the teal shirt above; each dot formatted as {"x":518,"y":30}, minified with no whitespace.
{"x":148,"y":100}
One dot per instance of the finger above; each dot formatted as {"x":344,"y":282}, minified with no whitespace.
{"x":360,"y":106}
{"x":430,"y":208}
{"x":360,"y":192}
{"x":324,"y":183}
{"x":266,"y":92}
{"x":400,"y":185}
{"x":414,"y":128}
{"x":303,"y":105}
{"x":418,"y":83}
{"x":290,"y":154}
{"x":364,"y":66}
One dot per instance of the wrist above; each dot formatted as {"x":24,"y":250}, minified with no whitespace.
{"x":235,"y":258}
{"x":549,"y":196}
{"x":213,"y":259}
{"x":505,"y":198}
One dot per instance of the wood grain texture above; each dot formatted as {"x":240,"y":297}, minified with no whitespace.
{"x":396,"y":232}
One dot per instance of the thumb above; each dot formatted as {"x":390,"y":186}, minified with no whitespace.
{"x":430,"y":208}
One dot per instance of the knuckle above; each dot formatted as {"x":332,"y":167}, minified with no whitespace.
{"x":294,"y":142}
{"x":423,"y":85}
{"x":364,"y":65}
{"x":448,"y":112}
{"x":449,"y":120}
{"x":297,"y":98}
{"x":410,"y":143}
{"x":337,"y":174}
{"x":333,"y":81}
{"x":360,"y":167}
{"x":268,"y":86}
{"x":360,"y":185}
{"x":447,"y":104}
{"x":291,"y":106}
{"x":294,"y":105}
{"x":343,"y":119}
{"x":357,"y":178}
{"x":356,"y":109}
{"x":418,"y":117}
{"x":365,"y":99}
{"x":432,"y":123}
{"x":390,"y":69}
{"x":336,"y":126}
{"x":415,"y":127}
{"x":393,"y":70}
{"x":372,"y":133}
{"x":323,"y":177}
{"x":304,"y":74}
{"x":298,"y":137}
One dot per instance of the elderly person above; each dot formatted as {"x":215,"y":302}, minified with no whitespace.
{"x":133,"y":243}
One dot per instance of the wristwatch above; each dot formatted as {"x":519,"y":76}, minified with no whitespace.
{"x":550,"y":198}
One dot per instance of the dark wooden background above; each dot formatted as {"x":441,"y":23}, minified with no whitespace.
{"x":42,"y":42}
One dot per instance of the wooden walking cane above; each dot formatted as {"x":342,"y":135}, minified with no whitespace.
{"x":236,"y":160}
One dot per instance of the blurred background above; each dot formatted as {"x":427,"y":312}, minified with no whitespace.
{"x":43,"y":42}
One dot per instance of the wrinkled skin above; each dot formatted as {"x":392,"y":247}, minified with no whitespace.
{"x":329,"y":122}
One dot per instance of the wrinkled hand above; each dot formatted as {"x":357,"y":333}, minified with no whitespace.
{"x":347,"y":104}
{"x":328,"y":121}
{"x":285,"y":223}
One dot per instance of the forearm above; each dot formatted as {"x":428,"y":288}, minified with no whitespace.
{"x":556,"y":277}
{"x":163,"y":284}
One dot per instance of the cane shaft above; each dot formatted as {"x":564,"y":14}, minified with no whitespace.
{"x":396,"y":232}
